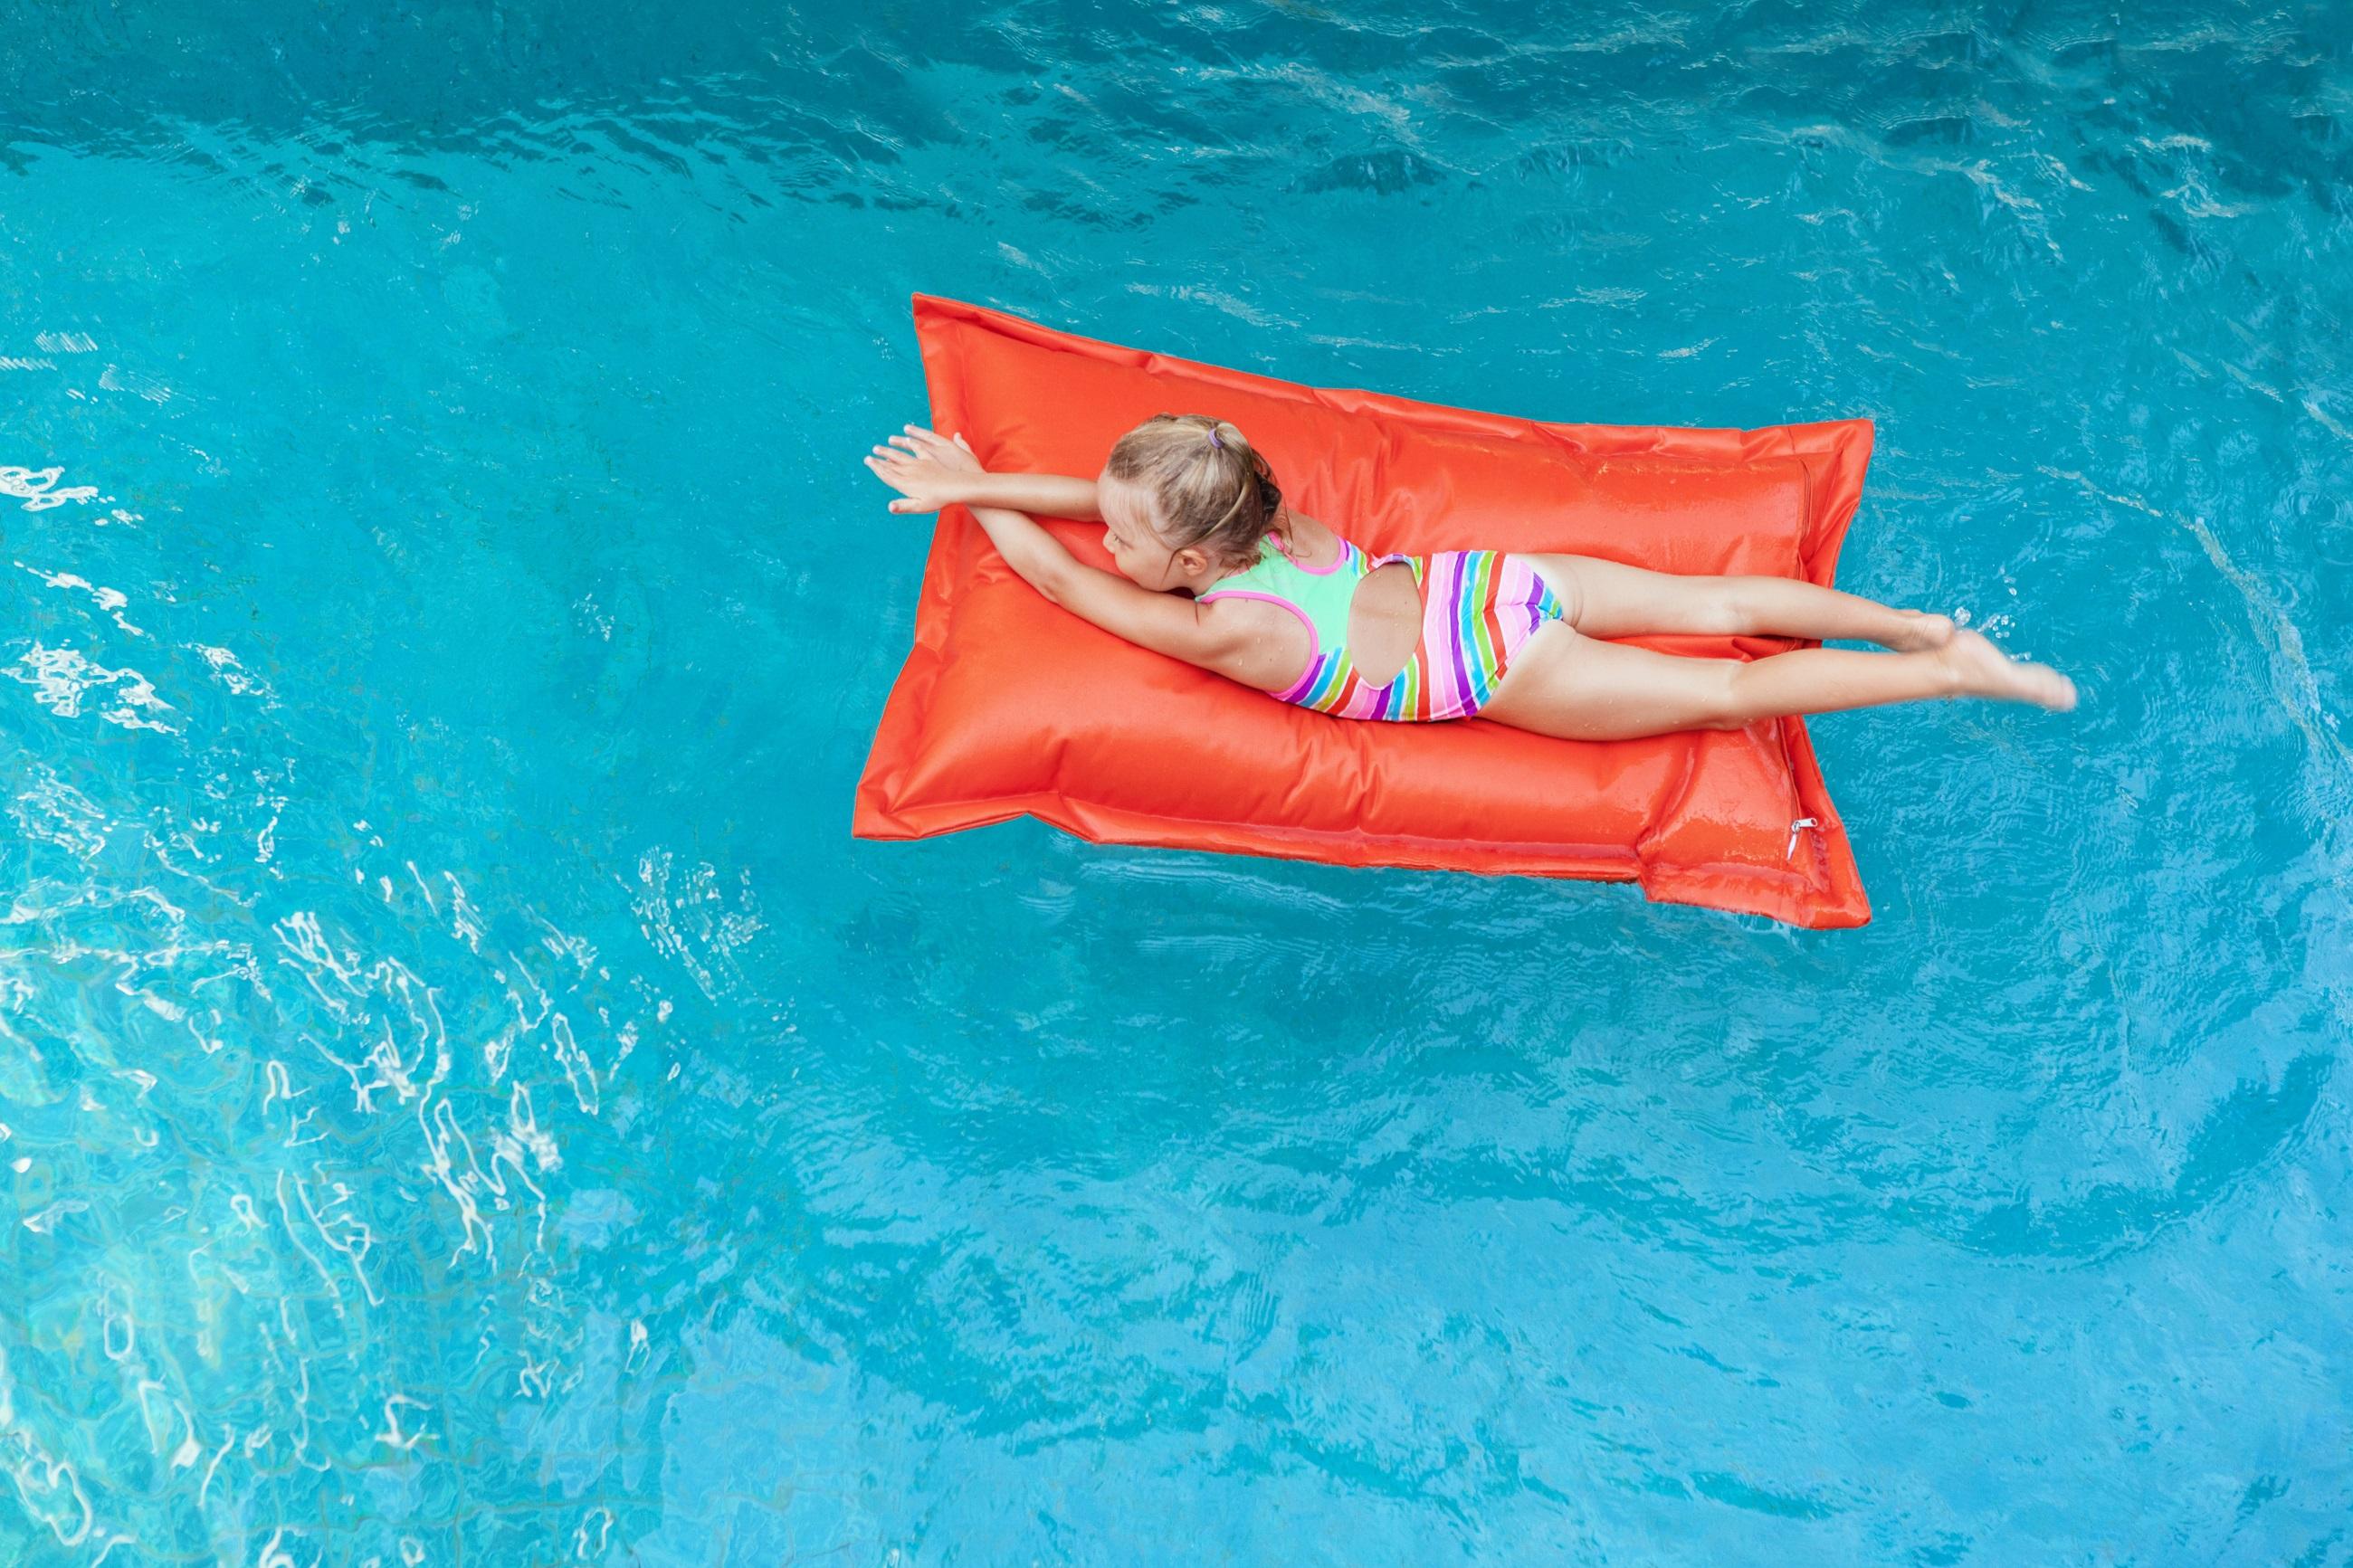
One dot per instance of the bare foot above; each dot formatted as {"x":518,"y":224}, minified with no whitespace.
{"x":1981,"y":669}
{"x":1922,"y":631}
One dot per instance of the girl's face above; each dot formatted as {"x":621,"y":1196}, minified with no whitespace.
{"x":1135,"y":545}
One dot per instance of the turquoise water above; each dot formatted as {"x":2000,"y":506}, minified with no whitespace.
{"x":468,"y":1100}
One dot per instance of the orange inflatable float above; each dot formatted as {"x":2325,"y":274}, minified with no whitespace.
{"x":1008,"y":706}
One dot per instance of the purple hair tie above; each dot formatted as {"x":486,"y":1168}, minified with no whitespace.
{"x":1214,"y":440}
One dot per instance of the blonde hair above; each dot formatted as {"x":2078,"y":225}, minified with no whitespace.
{"x":1209,"y":488}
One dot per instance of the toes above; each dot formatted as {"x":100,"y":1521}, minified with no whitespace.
{"x":2045,"y":686}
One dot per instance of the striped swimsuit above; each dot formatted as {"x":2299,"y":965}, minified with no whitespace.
{"x":1478,"y":607}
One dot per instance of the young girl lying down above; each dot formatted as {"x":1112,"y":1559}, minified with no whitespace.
{"x":1214,"y":569}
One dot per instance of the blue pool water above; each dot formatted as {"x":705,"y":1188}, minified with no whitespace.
{"x":467,"y":1099}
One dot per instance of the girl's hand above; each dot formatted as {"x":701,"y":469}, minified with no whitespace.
{"x":927,"y":469}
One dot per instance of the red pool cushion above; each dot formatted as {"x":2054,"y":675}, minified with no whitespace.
{"x":1008,"y":706}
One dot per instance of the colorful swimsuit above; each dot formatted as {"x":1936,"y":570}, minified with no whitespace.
{"x":1478,"y":607}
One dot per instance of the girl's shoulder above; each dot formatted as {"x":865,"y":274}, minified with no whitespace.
{"x":1312,"y":543}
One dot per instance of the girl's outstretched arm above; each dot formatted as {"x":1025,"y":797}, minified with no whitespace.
{"x":1049,"y":494}
{"x":931,"y":471}
{"x":1164,"y":623}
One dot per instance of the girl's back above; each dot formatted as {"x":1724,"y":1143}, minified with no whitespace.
{"x":1381,"y":604}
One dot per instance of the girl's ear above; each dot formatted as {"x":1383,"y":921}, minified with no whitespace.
{"x":1194,"y":560}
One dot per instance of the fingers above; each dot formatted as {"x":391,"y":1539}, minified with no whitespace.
{"x":915,"y":438}
{"x":900,"y":457}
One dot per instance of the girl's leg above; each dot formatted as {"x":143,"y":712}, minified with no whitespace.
{"x":1608,"y":599}
{"x":1580,"y":689}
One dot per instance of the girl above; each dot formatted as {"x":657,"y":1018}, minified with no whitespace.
{"x":1214,"y":569}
